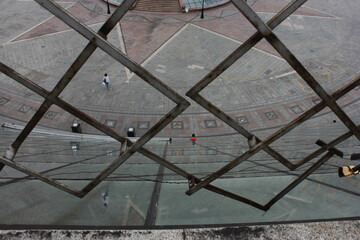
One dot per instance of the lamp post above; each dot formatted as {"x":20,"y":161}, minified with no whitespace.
{"x":202,"y":9}
{"x":108,"y":7}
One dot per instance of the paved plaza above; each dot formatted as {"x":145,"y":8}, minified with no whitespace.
{"x":260,"y":90}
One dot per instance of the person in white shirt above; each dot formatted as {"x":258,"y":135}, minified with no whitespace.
{"x":106,"y":80}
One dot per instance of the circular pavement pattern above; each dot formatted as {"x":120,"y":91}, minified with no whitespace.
{"x":260,"y":90}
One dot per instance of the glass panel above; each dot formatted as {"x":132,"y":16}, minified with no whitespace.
{"x":242,"y":92}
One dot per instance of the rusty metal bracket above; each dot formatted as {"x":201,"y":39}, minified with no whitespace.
{"x":330,"y":149}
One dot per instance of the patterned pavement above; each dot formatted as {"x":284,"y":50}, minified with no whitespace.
{"x":260,"y":90}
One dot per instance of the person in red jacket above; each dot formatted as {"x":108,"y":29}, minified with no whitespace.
{"x":193,"y":139}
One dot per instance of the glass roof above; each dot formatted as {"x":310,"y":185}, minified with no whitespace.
{"x":244,"y":116}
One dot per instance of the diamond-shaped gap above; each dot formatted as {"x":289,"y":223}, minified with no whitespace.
{"x":181,"y":209}
{"x":123,"y":197}
{"x":205,"y":156}
{"x":264,"y":189}
{"x":301,"y":141}
{"x":125,"y":100}
{"x":281,"y":48}
{"x":127,"y":93}
{"x":315,"y":37}
{"x":259,"y":165}
{"x":265,"y":104}
{"x":87,"y":83}
{"x":188,"y":56}
{"x":234,"y":25}
{"x":300,"y":201}
{"x":139,"y":167}
{"x":56,"y":118}
{"x":256,"y":79}
{"x":70,"y":155}
{"x":268,"y":117}
{"x":260,"y":177}
{"x":332,"y":71}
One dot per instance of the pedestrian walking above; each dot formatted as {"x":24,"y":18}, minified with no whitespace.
{"x":106,"y":80}
{"x":105,"y":196}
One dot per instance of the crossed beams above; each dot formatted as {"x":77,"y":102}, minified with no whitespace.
{"x":97,"y":40}
{"x":42,"y":92}
{"x":67,"y":107}
{"x":193,"y":93}
{"x":67,"y":77}
{"x":264,"y":30}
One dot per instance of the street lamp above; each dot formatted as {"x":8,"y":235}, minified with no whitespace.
{"x":108,"y":7}
{"x":202,"y":9}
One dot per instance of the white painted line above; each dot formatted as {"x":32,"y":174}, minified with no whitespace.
{"x":285,"y":74}
{"x":195,"y":67}
{"x":307,"y":16}
{"x":319,"y":12}
{"x":287,"y":215}
{"x":161,"y":70}
{"x":234,"y":40}
{"x":162,"y":46}
{"x":297,"y":199}
{"x":50,"y":34}
{"x":123,"y":49}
